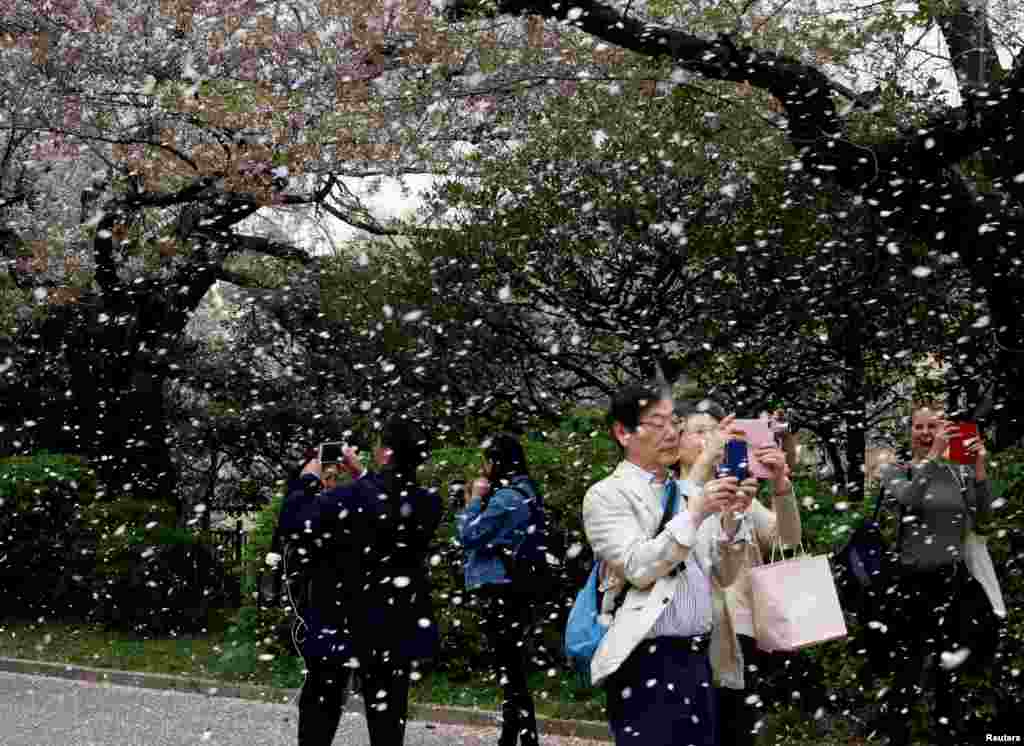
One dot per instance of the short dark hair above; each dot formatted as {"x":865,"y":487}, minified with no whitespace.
{"x":409,"y":444}
{"x":688,"y":408}
{"x":507,"y":454}
{"x":629,"y":403}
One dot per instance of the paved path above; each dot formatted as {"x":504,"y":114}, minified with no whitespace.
{"x":45,"y":711}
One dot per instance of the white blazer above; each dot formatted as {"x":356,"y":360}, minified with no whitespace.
{"x":620,"y":516}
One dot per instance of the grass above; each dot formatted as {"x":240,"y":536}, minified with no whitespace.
{"x":89,"y":645}
{"x":208,"y":656}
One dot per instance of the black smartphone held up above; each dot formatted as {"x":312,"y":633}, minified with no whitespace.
{"x":457,"y":494}
{"x":736,"y":462}
{"x":331,"y":453}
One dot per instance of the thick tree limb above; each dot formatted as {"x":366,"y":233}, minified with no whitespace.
{"x":368,"y":224}
{"x":260,"y":245}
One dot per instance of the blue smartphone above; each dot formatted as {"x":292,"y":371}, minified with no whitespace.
{"x":736,"y":462}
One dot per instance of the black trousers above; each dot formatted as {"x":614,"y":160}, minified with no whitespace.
{"x":385,"y":689}
{"x":922,"y":625}
{"x":662,"y":695}
{"x":737,"y":717}
{"x":507,"y":617}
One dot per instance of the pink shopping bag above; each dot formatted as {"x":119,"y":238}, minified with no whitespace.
{"x":795,"y":604}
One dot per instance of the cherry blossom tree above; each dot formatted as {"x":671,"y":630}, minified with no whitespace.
{"x":946,"y":175}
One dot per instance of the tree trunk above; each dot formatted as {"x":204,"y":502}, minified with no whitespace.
{"x":112,"y":410}
{"x":854,"y":417}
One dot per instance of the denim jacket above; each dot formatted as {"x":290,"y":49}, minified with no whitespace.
{"x":482,"y":532}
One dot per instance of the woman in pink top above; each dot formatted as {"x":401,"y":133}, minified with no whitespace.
{"x":734,"y":654}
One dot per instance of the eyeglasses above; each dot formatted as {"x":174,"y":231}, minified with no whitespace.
{"x":661,"y":423}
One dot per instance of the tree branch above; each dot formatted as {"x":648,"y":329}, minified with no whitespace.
{"x":260,"y":245}
{"x":370,"y":225}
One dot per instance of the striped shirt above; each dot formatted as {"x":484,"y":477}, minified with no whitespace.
{"x":689,"y":612}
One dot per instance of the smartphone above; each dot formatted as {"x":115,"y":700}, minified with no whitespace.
{"x":957,"y":444}
{"x":331,"y":453}
{"x":757,"y":434}
{"x":736,"y":462}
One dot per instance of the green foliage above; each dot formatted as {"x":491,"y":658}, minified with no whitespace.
{"x":112,"y":559}
{"x":20,"y":475}
{"x":40,"y":500}
{"x":254,"y":649}
{"x":258,"y":543}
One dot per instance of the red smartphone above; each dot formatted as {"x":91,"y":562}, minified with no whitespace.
{"x":957,"y":444}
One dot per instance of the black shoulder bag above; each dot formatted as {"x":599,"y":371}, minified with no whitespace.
{"x":863,"y":567}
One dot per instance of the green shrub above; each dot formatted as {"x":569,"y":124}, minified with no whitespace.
{"x":114,"y":560}
{"x":41,"y":570}
{"x":253,"y":648}
{"x":148,"y":572}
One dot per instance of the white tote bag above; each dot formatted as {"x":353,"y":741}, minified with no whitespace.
{"x":979,"y":563}
{"x":795,"y":603}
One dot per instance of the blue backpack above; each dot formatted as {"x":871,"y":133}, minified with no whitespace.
{"x":583,"y":629}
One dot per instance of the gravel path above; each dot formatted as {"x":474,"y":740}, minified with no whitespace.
{"x":45,"y":711}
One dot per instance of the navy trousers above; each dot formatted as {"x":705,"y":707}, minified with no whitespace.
{"x":662,"y":696}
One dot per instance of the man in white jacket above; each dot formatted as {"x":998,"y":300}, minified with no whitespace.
{"x":653,"y":661}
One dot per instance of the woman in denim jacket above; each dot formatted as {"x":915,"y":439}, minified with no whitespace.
{"x":495,"y":521}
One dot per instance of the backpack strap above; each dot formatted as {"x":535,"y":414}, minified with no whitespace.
{"x":878,"y":502}
{"x":532,"y":501}
{"x":900,"y":517}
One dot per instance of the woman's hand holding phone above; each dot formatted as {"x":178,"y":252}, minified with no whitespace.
{"x":774,"y":461}
{"x":350,"y":461}
{"x":974,"y":448}
{"x":481,"y":486}
{"x":940,"y":443}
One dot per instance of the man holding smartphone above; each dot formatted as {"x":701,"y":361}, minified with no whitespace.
{"x":367,"y":544}
{"x":653,"y":661}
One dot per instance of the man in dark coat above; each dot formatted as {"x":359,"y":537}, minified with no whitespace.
{"x":362,"y":552}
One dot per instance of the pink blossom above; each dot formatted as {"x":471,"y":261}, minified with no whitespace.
{"x":72,"y":113}
{"x":481,"y":104}
{"x":72,"y":56}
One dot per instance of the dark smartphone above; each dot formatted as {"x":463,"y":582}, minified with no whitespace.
{"x":457,"y":495}
{"x":331,"y":453}
{"x":736,"y":462}
{"x":957,"y":444}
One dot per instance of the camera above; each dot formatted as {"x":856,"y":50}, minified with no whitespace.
{"x":457,"y":494}
{"x":331,"y":453}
